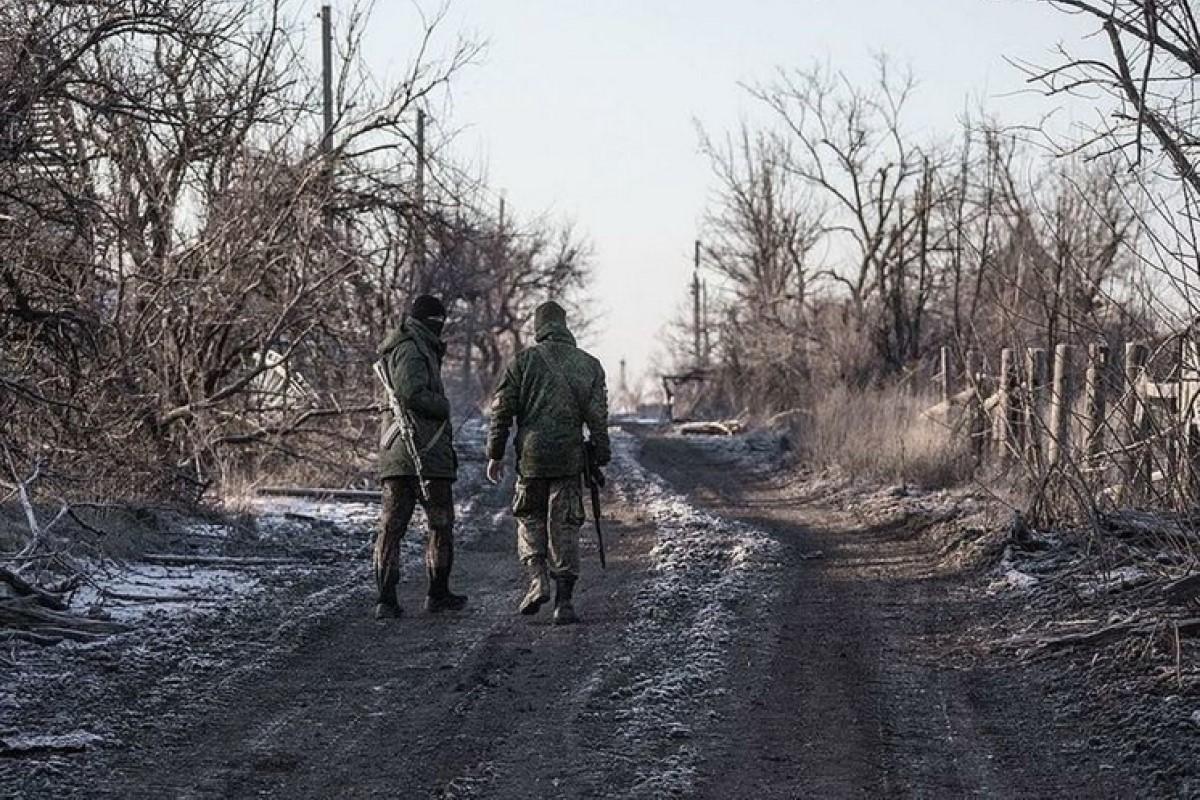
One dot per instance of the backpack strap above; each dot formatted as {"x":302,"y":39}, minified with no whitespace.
{"x":557,"y":372}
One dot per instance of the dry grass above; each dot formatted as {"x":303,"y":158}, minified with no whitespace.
{"x":883,"y":434}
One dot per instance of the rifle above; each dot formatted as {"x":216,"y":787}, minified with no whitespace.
{"x":402,"y":426}
{"x":593,"y":476}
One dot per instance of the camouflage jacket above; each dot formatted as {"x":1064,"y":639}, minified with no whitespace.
{"x":412,"y":356}
{"x":551,"y":390}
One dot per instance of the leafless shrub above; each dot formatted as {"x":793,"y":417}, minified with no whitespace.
{"x":197,"y":274}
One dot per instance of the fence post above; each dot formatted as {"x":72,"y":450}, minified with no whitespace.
{"x":945,"y":374}
{"x":1095,"y":397}
{"x":1189,"y":437}
{"x":1003,"y":428}
{"x":1059,"y":446}
{"x":1035,"y":390}
{"x":1136,"y":467}
{"x":978,"y":430}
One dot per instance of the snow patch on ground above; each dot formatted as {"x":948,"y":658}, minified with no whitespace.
{"x":132,"y":592}
{"x":757,"y":452}
{"x":1009,"y":577}
{"x":1114,"y":580}
{"x":221,"y":623}
{"x":304,"y":534}
{"x":708,"y":576}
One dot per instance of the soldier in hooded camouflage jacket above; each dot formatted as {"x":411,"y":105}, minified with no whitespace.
{"x":552,"y":391}
{"x":412,"y":359}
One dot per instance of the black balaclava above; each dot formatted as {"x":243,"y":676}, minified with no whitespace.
{"x":430,"y":312}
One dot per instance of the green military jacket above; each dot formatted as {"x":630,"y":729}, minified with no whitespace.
{"x":412,"y":356}
{"x":551,"y":390}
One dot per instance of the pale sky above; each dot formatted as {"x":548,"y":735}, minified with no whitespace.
{"x":585,"y":110}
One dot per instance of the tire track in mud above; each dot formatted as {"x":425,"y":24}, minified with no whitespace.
{"x":486,"y":703}
{"x":867,"y":683}
{"x":444,"y":706}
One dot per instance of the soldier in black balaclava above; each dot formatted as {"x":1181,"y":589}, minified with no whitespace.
{"x":412,"y":359}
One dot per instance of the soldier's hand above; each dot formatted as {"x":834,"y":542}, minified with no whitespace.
{"x":495,"y":470}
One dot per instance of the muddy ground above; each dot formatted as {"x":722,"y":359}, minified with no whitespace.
{"x":758,"y":634}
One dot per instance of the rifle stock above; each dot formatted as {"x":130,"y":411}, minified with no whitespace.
{"x":402,"y":426}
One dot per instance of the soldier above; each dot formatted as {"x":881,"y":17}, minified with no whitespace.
{"x":412,"y":360}
{"x":552,"y":390}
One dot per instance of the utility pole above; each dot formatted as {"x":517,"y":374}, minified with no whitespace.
{"x":623,"y":390}
{"x":497,"y":260}
{"x":327,"y":108}
{"x":419,"y":202}
{"x":460,"y":227}
{"x":500,"y":228}
{"x":704,"y":317}
{"x":696,"y":335}
{"x":327,"y":78}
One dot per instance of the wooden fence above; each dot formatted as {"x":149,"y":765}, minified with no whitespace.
{"x":1076,"y":409}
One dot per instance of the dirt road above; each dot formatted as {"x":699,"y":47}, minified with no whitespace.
{"x":865,"y":687}
{"x":443,"y":706}
{"x":798,"y":655}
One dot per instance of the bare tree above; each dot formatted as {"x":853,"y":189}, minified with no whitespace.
{"x":849,"y":145}
{"x":1145,"y":91}
{"x":181,"y":241}
{"x":757,"y":238}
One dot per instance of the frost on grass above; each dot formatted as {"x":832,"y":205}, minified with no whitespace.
{"x":1009,"y":577}
{"x":709,"y":579}
{"x":1114,"y":580}
{"x":759,"y":452}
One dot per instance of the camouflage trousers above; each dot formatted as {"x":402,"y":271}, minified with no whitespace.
{"x":549,"y":514}
{"x":400,"y":498}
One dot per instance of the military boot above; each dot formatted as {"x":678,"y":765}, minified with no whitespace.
{"x":387,"y":579}
{"x":539,"y":588}
{"x":440,"y":598}
{"x":564,"y":611}
{"x":386,"y":610}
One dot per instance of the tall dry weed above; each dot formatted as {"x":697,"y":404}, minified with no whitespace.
{"x":882,"y":434}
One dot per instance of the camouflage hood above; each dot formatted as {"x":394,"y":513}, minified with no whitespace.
{"x":550,"y":391}
{"x":555,"y":331}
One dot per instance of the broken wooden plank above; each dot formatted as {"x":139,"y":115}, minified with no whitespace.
{"x":1184,"y":590}
{"x":1062,"y":395}
{"x":710,"y":428}
{"x":26,"y":587}
{"x":29,"y":616}
{"x":318,"y":493}
{"x":187,"y":560}
{"x":1043,"y":642}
